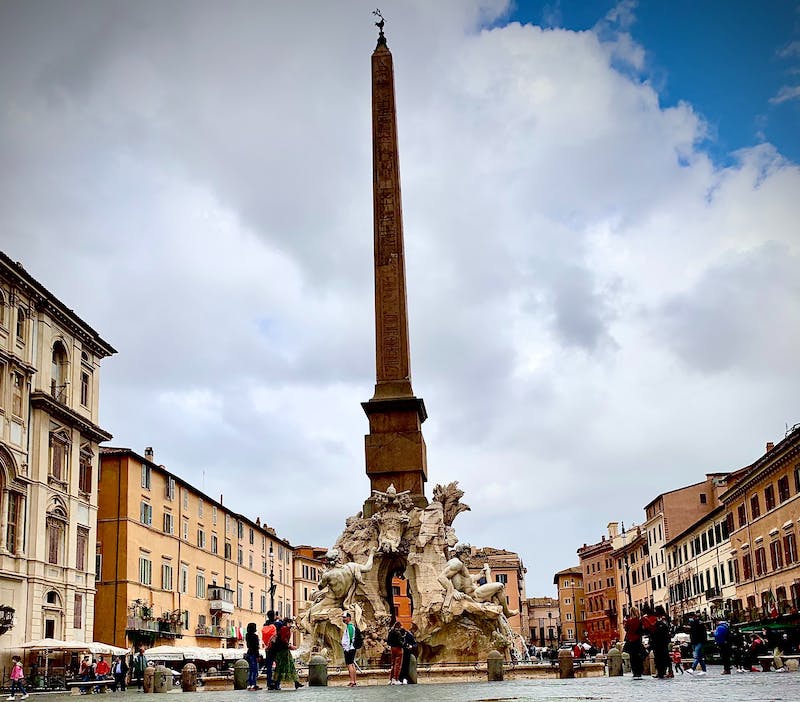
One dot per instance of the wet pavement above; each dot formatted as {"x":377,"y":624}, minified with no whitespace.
{"x":744,"y":687}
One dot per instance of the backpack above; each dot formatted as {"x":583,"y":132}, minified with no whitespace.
{"x":721,"y":633}
{"x":358,"y":638}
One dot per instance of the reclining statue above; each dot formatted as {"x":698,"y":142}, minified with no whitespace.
{"x":488,"y":599}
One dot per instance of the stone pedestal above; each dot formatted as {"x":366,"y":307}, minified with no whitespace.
{"x":792,"y":665}
{"x":162,"y":679}
{"x":241,"y":670}
{"x":649,"y":664}
{"x":412,"y":670}
{"x":189,"y":678}
{"x":614,"y":663}
{"x":626,"y":662}
{"x":147,"y":678}
{"x":317,"y":671}
{"x":566,"y":664}
{"x":494,"y":666}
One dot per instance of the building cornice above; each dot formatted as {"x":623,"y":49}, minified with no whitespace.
{"x":45,"y":301}
{"x":770,"y":462}
{"x":42,"y":400}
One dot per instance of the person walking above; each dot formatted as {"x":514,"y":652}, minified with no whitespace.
{"x":348,"y":637}
{"x":119,"y":669}
{"x":722,"y":637}
{"x":677,"y":661}
{"x":285,"y":670}
{"x":17,"y":676}
{"x":633,"y":643}
{"x":253,"y":646}
{"x":139,"y":664}
{"x":698,"y":638}
{"x":395,"y":639}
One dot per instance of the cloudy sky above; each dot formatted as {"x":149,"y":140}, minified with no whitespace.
{"x":602,"y":254}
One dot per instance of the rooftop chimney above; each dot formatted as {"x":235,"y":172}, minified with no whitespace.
{"x":770,"y":446}
{"x":148,"y":453}
{"x":613,"y":530}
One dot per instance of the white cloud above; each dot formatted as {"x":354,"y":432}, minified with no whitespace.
{"x":589,"y":295}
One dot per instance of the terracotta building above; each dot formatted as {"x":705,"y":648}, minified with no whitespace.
{"x":49,"y":399}
{"x":763,"y":519}
{"x":599,"y":583}
{"x":571,"y":604}
{"x":544,"y":621}
{"x":506,"y":567}
{"x":173,"y":563}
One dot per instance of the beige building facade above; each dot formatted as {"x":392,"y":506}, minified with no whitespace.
{"x":309,"y":564}
{"x":49,"y":436}
{"x":763,"y":520}
{"x":505,"y":567}
{"x":571,"y":603}
{"x":176,"y":566}
{"x":700,"y":568}
{"x":544,"y":621}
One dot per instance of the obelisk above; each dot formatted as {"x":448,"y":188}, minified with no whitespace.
{"x":395,"y":448}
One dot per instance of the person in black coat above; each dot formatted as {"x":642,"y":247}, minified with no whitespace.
{"x":119,"y":669}
{"x":410,"y":648}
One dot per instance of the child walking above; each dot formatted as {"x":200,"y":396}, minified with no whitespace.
{"x":17,"y":676}
{"x":677,"y":662}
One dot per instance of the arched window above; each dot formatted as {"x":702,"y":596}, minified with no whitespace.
{"x":21,"y":317}
{"x":59,"y":373}
{"x":56,"y":532}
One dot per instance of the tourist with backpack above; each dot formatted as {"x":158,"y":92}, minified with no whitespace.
{"x":395,"y":639}
{"x":351,"y":642}
{"x":659,"y":643}
{"x":285,"y":670}
{"x":633,"y":643}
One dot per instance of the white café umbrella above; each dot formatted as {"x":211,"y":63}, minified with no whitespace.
{"x":164,"y":653}
{"x":232,"y":654}
{"x":48,"y":645}
{"x":103,"y":649}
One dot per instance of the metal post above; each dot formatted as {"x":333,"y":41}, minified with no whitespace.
{"x":271,"y":578}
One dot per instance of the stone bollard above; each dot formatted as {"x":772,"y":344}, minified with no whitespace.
{"x":147,"y":678}
{"x":566,"y":664}
{"x":412,"y":669}
{"x":241,"y":669}
{"x":614,"y":663}
{"x":649,"y":664}
{"x":162,"y":679}
{"x":494,"y":666}
{"x":318,"y":671}
{"x":626,"y":662}
{"x":792,"y":665}
{"x":189,"y":678}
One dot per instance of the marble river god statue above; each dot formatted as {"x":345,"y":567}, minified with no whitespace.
{"x":454,"y":617}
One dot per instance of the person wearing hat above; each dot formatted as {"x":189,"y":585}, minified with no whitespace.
{"x":348,"y":636}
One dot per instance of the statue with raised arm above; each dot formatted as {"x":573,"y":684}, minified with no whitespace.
{"x":462,"y":587}
{"x":337,"y":586}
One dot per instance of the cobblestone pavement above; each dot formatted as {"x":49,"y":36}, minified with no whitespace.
{"x":713,"y":687}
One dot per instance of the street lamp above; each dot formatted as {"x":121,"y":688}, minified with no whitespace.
{"x":271,"y":578}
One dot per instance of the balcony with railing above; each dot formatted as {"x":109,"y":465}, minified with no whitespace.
{"x":214,"y":631}
{"x":220,"y":599}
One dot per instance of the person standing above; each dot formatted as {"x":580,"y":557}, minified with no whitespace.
{"x":698,"y":638}
{"x":139,"y":664}
{"x":348,"y":636}
{"x":722,"y":637}
{"x":119,"y":669}
{"x":17,"y":676}
{"x":268,"y":632}
{"x":409,"y":649}
{"x":285,"y":670}
{"x":252,"y":641}
{"x":659,"y":643}
{"x":395,"y":639}
{"x":633,"y":643}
